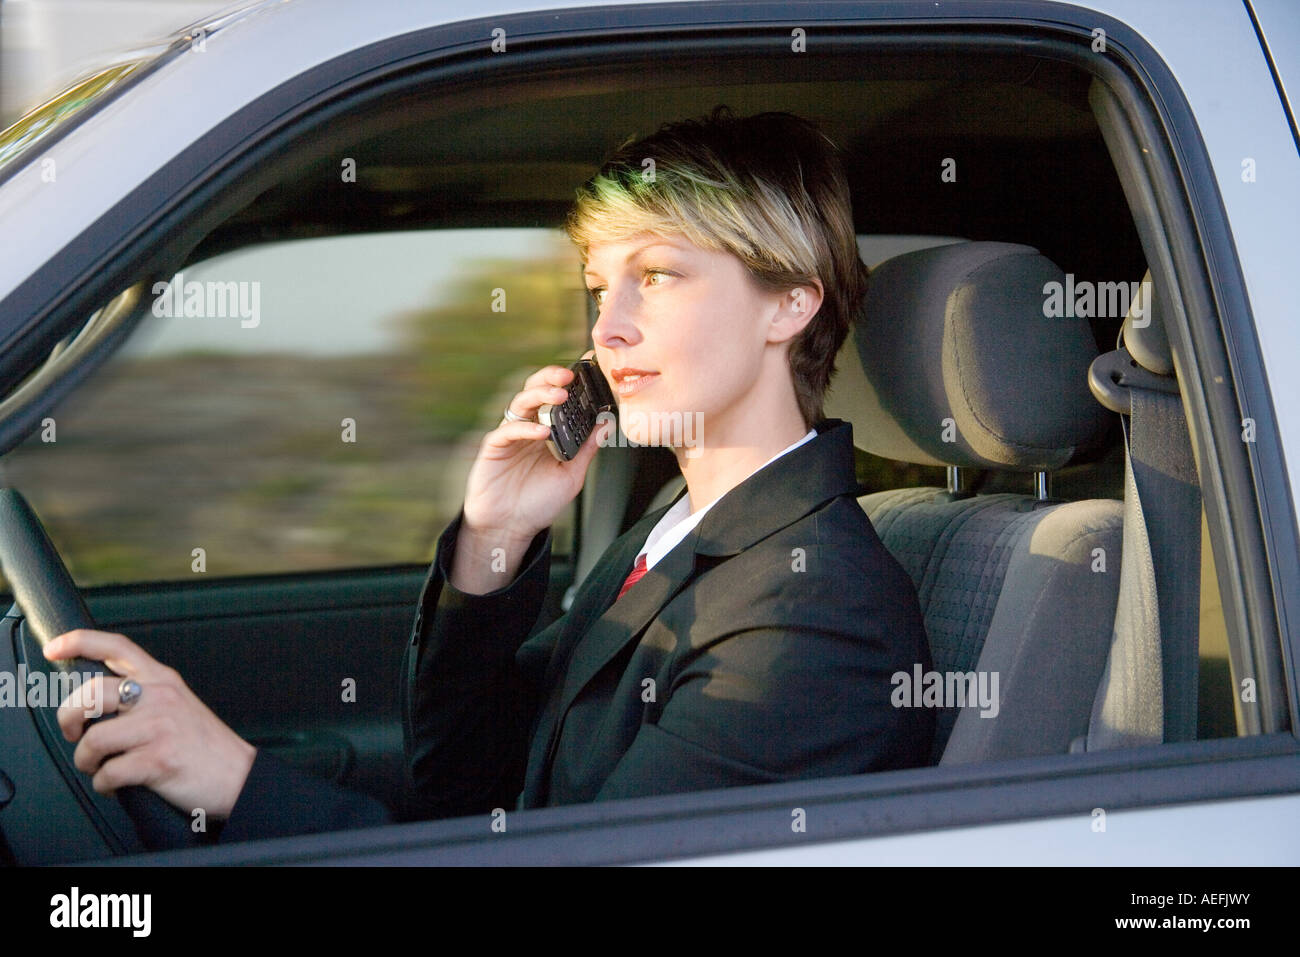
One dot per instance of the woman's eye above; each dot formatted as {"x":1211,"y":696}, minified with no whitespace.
{"x":596,"y":292}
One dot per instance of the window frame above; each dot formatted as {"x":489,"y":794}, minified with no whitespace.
{"x":1247,"y":496}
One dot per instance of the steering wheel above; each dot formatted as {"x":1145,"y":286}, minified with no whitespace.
{"x":52,"y":605}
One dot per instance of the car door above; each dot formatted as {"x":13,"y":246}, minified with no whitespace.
{"x":252,"y":486}
{"x":309,"y":126}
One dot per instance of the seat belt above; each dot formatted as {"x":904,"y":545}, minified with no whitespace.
{"x":1148,"y":692}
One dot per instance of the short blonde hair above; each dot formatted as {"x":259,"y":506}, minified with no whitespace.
{"x":770,"y":189}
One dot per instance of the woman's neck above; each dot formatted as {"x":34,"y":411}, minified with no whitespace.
{"x":719,"y":463}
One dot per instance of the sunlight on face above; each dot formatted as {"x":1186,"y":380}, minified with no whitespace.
{"x":682,"y":331}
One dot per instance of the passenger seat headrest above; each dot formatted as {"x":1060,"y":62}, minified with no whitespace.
{"x":955,"y":362}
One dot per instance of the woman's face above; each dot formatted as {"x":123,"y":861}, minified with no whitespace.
{"x":684,"y":333}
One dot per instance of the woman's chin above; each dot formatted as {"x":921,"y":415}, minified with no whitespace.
{"x":656,"y":427}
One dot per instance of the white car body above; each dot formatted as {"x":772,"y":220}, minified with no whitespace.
{"x":1210,"y":48}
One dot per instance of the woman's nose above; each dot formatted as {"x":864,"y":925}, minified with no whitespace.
{"x":614,"y":325}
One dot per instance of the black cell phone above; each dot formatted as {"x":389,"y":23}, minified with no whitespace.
{"x":571,"y":423}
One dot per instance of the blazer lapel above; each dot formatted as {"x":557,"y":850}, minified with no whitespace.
{"x":585,"y":621}
{"x":627,"y":617}
{"x":599,"y":592}
{"x":622,"y":623}
{"x":601,"y":626}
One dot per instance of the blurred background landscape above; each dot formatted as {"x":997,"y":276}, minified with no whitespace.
{"x":202,"y":433}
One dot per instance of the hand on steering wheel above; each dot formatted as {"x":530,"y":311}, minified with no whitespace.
{"x":166,"y":739}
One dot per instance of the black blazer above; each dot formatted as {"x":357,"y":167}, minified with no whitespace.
{"x":759,"y":649}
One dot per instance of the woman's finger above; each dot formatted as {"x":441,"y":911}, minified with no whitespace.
{"x":88,"y":700}
{"x":549,"y":376}
{"x":525,"y":404}
{"x":107,"y":738}
{"x":118,"y":652}
{"x":508,"y":433}
{"x":135,"y":767}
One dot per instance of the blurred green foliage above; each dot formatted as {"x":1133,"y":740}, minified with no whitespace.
{"x":487,"y":330}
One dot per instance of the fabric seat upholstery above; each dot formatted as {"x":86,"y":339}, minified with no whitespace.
{"x":954,"y":364}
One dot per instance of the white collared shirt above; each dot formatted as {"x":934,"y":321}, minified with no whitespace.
{"x":679,"y":520}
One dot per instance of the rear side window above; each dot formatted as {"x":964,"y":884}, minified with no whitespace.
{"x":302,"y":406}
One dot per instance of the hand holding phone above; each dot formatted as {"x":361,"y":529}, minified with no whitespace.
{"x":573,"y":421}
{"x":515,"y":488}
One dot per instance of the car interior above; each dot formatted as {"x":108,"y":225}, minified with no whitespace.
{"x":989,"y":463}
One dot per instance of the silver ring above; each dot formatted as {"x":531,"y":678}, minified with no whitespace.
{"x":511,"y":417}
{"x":128,"y":692}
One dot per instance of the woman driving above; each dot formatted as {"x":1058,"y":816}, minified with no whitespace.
{"x":745,"y":633}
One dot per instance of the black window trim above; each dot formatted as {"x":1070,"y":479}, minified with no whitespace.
{"x":1042,"y":787}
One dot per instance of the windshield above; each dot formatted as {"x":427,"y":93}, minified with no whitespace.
{"x":46,"y":118}
{"x":99,"y":87}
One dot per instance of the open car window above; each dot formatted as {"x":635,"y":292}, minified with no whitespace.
{"x":374,"y":325}
{"x":301,"y":406}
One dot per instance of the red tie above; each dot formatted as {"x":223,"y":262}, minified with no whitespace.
{"x":634,"y":576}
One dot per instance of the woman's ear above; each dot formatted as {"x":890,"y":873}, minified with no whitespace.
{"x":795,"y":311}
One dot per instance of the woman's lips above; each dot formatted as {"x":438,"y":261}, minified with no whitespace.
{"x":631,"y":381}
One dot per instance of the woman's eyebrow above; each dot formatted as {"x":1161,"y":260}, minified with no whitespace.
{"x":587,"y":271}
